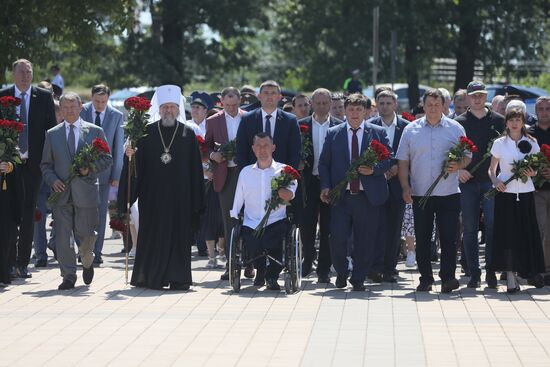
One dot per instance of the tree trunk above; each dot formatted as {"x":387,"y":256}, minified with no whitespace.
{"x":468,"y":42}
{"x":172,"y":42}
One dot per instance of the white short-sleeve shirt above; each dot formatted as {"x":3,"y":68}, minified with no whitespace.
{"x":506,"y":151}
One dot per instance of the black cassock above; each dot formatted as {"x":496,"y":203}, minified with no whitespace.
{"x":171,"y":198}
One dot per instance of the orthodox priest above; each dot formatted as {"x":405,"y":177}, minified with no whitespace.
{"x":169,"y":186}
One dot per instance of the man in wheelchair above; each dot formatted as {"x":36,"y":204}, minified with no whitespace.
{"x":253,"y":189}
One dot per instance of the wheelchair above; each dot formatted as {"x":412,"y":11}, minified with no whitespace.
{"x":291,"y":259}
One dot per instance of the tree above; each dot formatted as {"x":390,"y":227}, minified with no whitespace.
{"x":31,"y":29}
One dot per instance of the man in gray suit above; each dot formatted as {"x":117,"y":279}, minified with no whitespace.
{"x":76,"y":210}
{"x":110,"y":120}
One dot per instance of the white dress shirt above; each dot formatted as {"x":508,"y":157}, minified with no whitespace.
{"x":232,"y":124}
{"x":360,"y":132}
{"x":77,"y":124}
{"x":101,"y":116}
{"x":271,"y":121}
{"x":253,"y":190}
{"x":24,"y":155}
{"x":390,"y":130}
{"x":318,"y":134}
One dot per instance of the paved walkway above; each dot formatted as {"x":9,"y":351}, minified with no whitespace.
{"x":111,"y":324}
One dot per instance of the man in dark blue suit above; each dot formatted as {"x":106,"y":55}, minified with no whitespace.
{"x":280,"y":125}
{"x":315,"y":210}
{"x":361,"y":206}
{"x":386,"y":102}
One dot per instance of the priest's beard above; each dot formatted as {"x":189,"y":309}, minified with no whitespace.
{"x":168,"y":122}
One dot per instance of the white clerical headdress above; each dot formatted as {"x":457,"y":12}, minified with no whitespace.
{"x":167,"y":94}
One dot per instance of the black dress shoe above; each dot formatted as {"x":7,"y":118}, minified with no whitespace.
{"x":375,"y":277}
{"x":389,"y":278}
{"x":424,"y":286}
{"x":474,"y":283}
{"x":323,"y":279}
{"x":547,"y":279}
{"x":22,"y":272}
{"x":225,"y":275}
{"x":491,"y":279}
{"x":249,"y":272}
{"x":341,"y":281}
{"x":359,"y":287}
{"x":259,"y":281}
{"x":41,"y":264}
{"x":98,"y":260}
{"x":513,"y":290}
{"x":536,"y":281}
{"x":307,"y":266}
{"x":449,"y":285}
{"x":177,"y":286}
{"x":88,"y":274}
{"x":66,"y":284}
{"x":272,"y":285}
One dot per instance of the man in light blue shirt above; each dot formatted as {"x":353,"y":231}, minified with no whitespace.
{"x":421,"y":154}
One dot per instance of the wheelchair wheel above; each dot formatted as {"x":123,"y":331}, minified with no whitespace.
{"x":293,"y":252}
{"x":235,"y":259}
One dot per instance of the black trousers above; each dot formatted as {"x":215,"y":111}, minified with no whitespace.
{"x":20,"y":249}
{"x":272,"y":241}
{"x":395,"y":209}
{"x":446,"y":210}
{"x":316,"y":211}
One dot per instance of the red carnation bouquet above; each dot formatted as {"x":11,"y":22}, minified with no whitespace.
{"x":203,"y":147}
{"x":281,"y":181}
{"x":374,"y":154}
{"x":307,"y":144}
{"x":408,"y":116}
{"x":539,"y":180}
{"x":138,"y":117}
{"x":85,"y":158}
{"x":455,"y":154}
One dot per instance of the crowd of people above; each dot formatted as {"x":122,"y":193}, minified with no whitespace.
{"x":190,"y":182}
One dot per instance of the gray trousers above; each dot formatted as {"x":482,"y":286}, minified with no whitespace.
{"x":542,"y":208}
{"x":69,"y":219}
{"x":227,"y":195}
{"x":103,"y":208}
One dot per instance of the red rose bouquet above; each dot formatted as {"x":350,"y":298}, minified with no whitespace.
{"x":307,"y":144}
{"x":281,"y":181}
{"x":539,"y":180}
{"x":374,"y":154}
{"x":119,"y":222}
{"x":455,"y":154}
{"x":138,"y":117}
{"x":84,"y":159}
{"x":9,"y":149}
{"x":203,"y":147}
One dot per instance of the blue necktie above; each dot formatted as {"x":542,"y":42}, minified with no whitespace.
{"x":24,"y":136}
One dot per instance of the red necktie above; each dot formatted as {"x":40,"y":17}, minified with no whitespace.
{"x":354,"y":184}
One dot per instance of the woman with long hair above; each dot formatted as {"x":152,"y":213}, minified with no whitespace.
{"x":517,"y":247}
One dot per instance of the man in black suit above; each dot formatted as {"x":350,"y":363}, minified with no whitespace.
{"x":37,"y":112}
{"x":386,"y":102}
{"x":317,"y":128}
